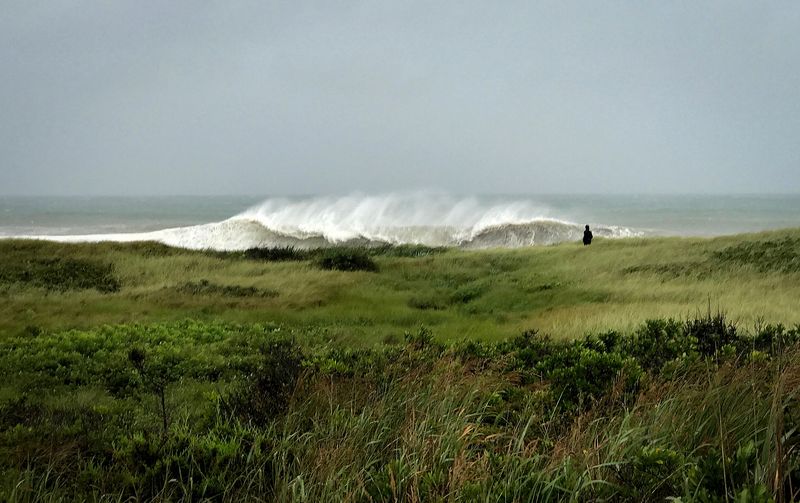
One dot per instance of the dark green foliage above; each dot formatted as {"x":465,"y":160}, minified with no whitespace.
{"x":344,"y":259}
{"x":712,"y":333}
{"x":579,"y":375}
{"x":204,"y":287}
{"x":605,"y":342}
{"x":267,"y":390}
{"x":101,"y":357}
{"x":426,"y":302}
{"x":468,"y":293}
{"x":19,"y":411}
{"x":277,"y":254}
{"x":214,"y":411}
{"x":659,"y":341}
{"x":156,"y":374}
{"x":350,"y":362}
{"x":383,"y":484}
{"x":199,"y":467}
{"x":60,"y":274}
{"x":32,"y":331}
{"x":715,"y":473}
{"x":529,"y":349}
{"x":289,"y":253}
{"x":468,"y":349}
{"x":423,"y":338}
{"x":773,"y":339}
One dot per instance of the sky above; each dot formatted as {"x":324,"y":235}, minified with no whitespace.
{"x":273,"y":98}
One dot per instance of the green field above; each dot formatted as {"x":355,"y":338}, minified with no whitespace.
{"x":565,"y":291}
{"x":630,"y":370}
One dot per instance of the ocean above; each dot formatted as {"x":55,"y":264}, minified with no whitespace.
{"x":430,"y":218}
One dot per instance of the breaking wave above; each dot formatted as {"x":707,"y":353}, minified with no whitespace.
{"x":421,"y":218}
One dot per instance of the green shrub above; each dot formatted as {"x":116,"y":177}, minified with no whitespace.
{"x":579,"y":375}
{"x":470,"y":349}
{"x":347,"y":260}
{"x":61,"y":274}
{"x":276,"y":254}
{"x":659,"y":341}
{"x":422,"y":339}
{"x":349,"y":362}
{"x":254,"y":416}
{"x":711,"y":333}
{"x":429,"y":302}
{"x":605,"y":342}
{"x":268,"y":389}
{"x":653,"y":474}
{"x":156,"y":373}
{"x":528,"y":350}
{"x":773,"y":339}
{"x":19,"y":411}
{"x":468,"y":293}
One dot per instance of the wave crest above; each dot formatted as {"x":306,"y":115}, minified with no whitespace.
{"x":420,"y":218}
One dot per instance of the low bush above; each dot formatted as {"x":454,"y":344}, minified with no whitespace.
{"x":468,"y":293}
{"x":772,"y":339}
{"x":659,"y":341}
{"x":347,"y":260}
{"x":579,"y":376}
{"x":60,"y":274}
{"x":430,"y":302}
{"x":200,"y":411}
{"x":276,"y":254}
{"x":268,"y":388}
{"x":421,"y":339}
{"x":711,"y":333}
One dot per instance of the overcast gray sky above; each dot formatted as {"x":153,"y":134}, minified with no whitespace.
{"x":227,"y":97}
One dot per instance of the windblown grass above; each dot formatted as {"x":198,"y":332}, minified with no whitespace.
{"x":567,"y":290}
{"x":701,"y":410}
{"x":260,"y":376}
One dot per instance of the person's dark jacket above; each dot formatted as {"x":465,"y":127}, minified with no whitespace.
{"x":587,"y":237}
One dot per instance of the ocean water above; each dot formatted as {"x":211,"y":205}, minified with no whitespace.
{"x":431,"y":218}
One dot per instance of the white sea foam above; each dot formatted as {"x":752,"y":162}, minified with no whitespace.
{"x":416,"y":218}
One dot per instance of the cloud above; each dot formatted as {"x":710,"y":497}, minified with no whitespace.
{"x":282,"y":98}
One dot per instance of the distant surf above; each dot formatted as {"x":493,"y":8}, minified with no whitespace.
{"x":419,"y":218}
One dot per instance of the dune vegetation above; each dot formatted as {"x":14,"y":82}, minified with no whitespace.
{"x":630,"y":370}
{"x":566,"y":291}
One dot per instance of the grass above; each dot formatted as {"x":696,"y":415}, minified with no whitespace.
{"x":563,"y":373}
{"x":60,"y":274}
{"x":204,"y":287}
{"x":698,"y":410}
{"x":565,"y":290}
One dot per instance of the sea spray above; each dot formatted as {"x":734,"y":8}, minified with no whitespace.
{"x":426,"y":218}
{"x":420,"y":218}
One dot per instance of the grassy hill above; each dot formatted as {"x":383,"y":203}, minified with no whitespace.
{"x":631,"y":370}
{"x":566,"y":290}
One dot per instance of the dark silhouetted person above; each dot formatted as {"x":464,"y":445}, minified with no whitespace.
{"x":587,"y":237}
